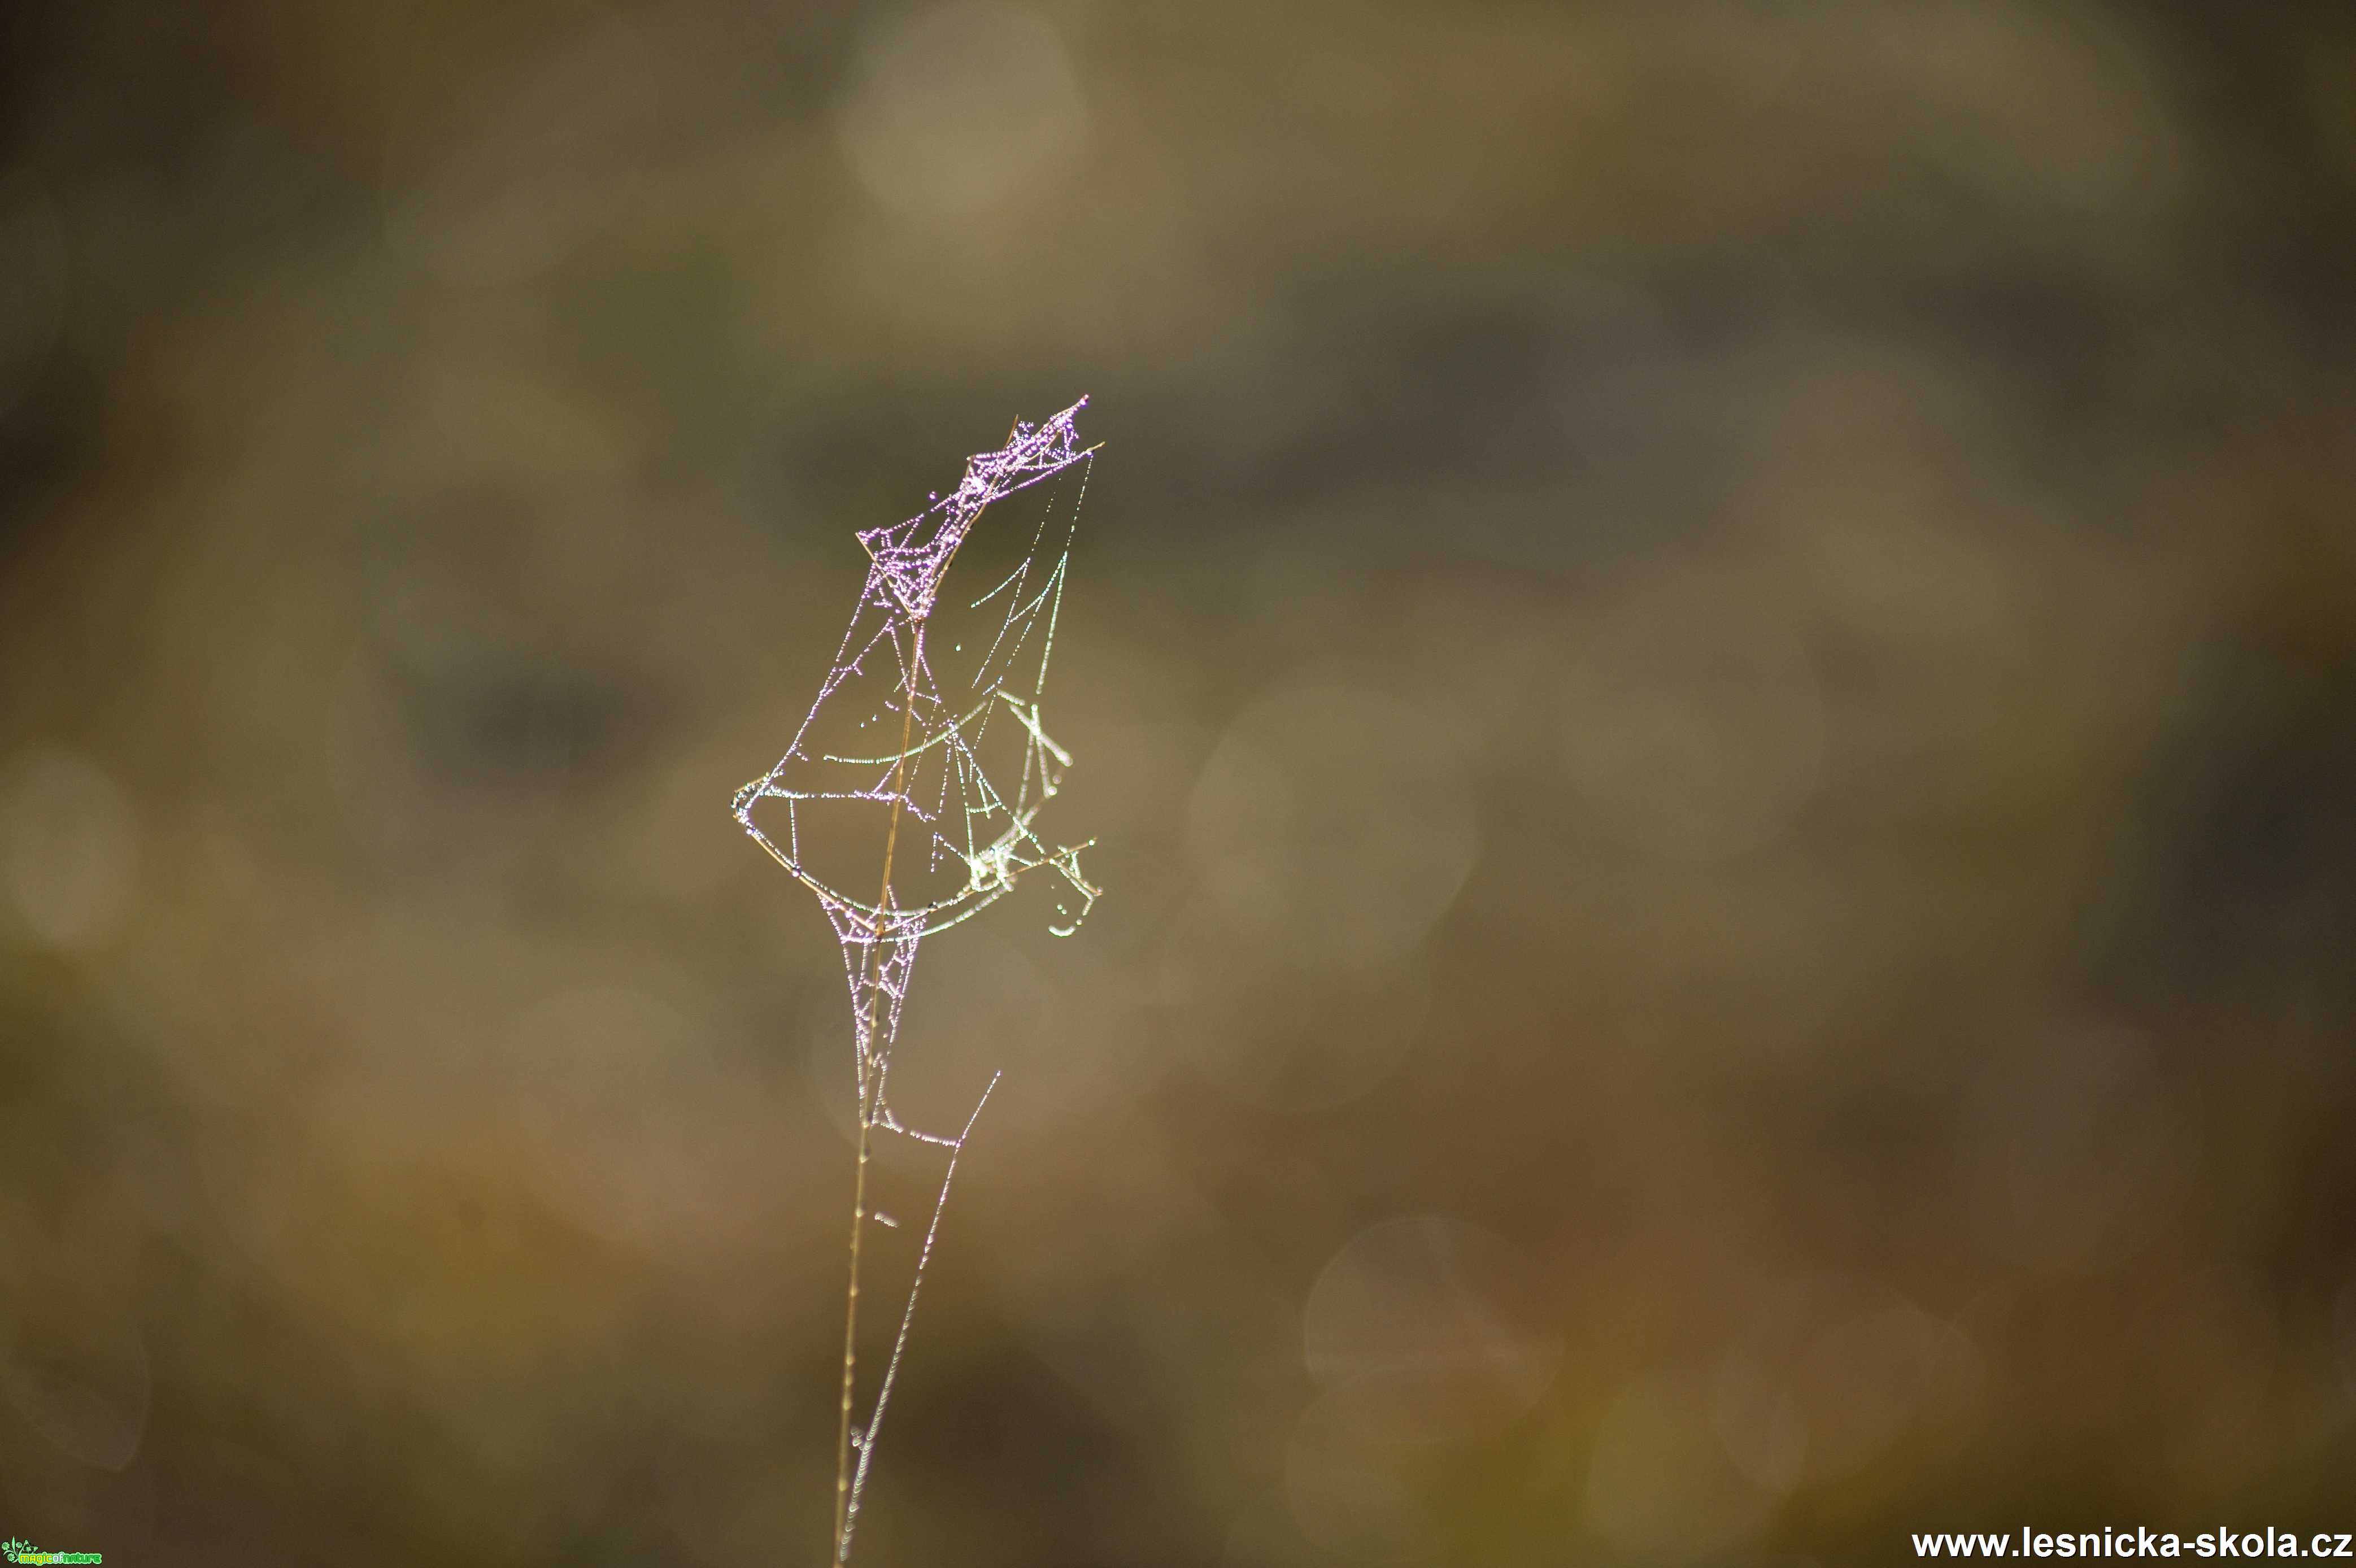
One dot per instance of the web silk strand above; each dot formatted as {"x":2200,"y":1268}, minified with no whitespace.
{"x":968,"y":821}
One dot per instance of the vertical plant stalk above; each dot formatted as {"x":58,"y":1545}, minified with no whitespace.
{"x":851,"y":1316}
{"x":868,"y":1086}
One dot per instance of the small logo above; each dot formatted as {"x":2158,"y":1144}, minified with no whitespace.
{"x":17,"y":1551}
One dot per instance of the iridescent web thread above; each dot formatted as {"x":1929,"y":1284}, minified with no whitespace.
{"x":935,"y":787}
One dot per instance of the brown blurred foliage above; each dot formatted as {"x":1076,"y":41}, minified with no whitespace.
{"x":1714,"y":656}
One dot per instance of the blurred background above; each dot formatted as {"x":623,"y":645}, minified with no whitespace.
{"x":1713,"y":655}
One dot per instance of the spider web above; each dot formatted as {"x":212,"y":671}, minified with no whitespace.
{"x":930,"y":762}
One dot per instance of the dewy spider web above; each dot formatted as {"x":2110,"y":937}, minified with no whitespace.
{"x":951,"y":719}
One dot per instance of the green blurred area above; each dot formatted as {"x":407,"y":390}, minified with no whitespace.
{"x":1713,"y":657}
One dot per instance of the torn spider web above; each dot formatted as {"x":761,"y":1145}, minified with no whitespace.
{"x":923,"y":753}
